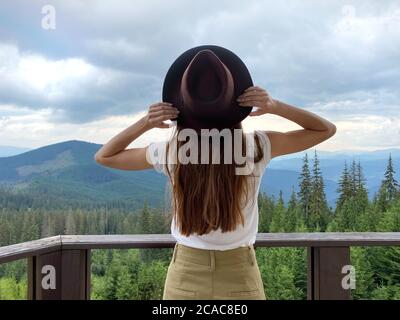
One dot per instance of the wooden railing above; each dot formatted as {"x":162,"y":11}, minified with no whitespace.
{"x":59,"y":267}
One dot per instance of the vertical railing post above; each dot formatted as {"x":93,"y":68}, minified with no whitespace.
{"x":31,"y":278}
{"x":60,"y":275}
{"x":325,"y":277}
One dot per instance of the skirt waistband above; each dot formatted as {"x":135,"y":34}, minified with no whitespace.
{"x":208,"y":257}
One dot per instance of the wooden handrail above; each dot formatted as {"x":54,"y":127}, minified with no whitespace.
{"x":118,"y":241}
{"x":69,"y":258}
{"x":30,"y":248}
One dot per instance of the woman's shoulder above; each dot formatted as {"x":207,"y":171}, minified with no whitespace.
{"x":156,"y":154}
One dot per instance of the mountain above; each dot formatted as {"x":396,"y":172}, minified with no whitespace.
{"x":66,"y":173}
{"x":373,"y":164}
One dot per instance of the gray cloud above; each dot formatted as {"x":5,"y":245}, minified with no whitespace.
{"x":330,"y":56}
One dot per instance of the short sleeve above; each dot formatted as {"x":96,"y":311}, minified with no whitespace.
{"x":155,"y":155}
{"x":266,"y":147}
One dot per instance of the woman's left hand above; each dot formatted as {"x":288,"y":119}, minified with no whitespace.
{"x":257,"y":97}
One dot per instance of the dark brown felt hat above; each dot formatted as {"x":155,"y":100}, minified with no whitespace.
{"x":204,"y":83}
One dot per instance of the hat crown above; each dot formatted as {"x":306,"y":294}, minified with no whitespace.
{"x":207,"y":82}
{"x":203,"y":83}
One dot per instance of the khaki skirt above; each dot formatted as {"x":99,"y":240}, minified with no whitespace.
{"x":199,"y":274}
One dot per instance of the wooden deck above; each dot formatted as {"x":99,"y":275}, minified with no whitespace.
{"x":68,"y":258}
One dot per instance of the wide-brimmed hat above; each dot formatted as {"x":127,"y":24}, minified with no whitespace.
{"x":203,"y":83}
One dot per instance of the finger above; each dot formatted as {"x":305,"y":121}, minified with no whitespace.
{"x":254,"y":104}
{"x":246,"y":104}
{"x":163,"y":108}
{"x":254,"y":100}
{"x":157,"y":108}
{"x":158,"y":117}
{"x":163,"y":118}
{"x":159,"y":104}
{"x":252,"y":94}
{"x":162,"y":103}
{"x":155,"y":115}
{"x":163,"y":125}
{"x":260,"y":100}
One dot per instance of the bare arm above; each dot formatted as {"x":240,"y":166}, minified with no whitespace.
{"x":114,"y":153}
{"x":316,"y":129}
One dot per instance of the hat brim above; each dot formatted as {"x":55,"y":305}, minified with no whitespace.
{"x":242,"y":80}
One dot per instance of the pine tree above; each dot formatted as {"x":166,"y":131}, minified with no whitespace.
{"x":392,"y":186}
{"x":318,"y":214}
{"x":353,"y":178}
{"x":278,"y":218}
{"x":70,"y":226}
{"x":30,"y":228}
{"x":277,"y":267}
{"x":144,"y":220}
{"x":291,"y":213}
{"x":344,"y":188}
{"x":293,"y":200}
{"x":266,"y":210}
{"x":389,"y":189}
{"x":304,"y":193}
{"x":364,"y":274}
{"x":361,"y":198}
{"x":145,"y":227}
{"x":362,"y":192}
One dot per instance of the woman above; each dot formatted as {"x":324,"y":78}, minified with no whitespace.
{"x":215,"y":211}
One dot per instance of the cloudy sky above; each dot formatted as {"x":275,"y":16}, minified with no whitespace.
{"x":104,"y":64}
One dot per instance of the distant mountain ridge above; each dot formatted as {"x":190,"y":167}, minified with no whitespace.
{"x":7,"y":151}
{"x":67,"y":171}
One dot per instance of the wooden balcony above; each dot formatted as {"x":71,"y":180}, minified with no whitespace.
{"x":67,"y":258}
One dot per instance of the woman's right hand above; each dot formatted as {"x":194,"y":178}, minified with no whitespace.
{"x":158,"y":113}
{"x":255,"y":96}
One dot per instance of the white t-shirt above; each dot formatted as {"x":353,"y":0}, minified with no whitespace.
{"x":216,"y":240}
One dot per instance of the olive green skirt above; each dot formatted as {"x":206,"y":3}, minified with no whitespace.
{"x":199,"y":274}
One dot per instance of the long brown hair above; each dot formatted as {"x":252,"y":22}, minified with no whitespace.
{"x":206,"y":197}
